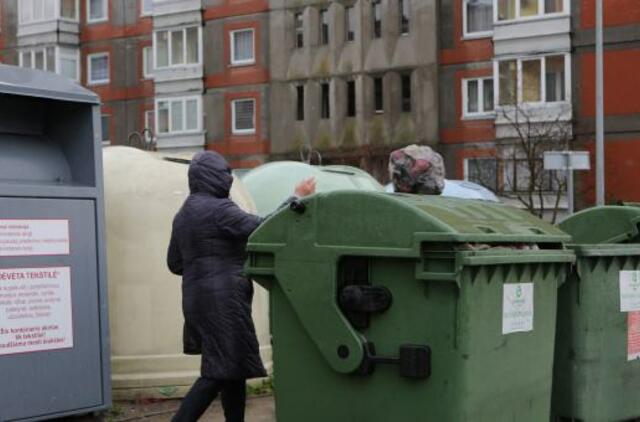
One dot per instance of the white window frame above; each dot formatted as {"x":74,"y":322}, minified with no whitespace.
{"x":233,"y":48}
{"x":184,"y":115}
{"x":145,"y":62}
{"x":56,"y":16}
{"x":465,"y":171}
{"x":32,"y":52}
{"x":144,"y":12}
{"x":170,"y":52}
{"x":566,"y":11}
{"x":543,"y":81}
{"x":105,"y":11}
{"x":92,"y":82}
{"x":474,"y":35}
{"x":59,"y":64}
{"x":481,"y":113}
{"x":235,"y":130}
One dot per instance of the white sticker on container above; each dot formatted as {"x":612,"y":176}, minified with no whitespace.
{"x":35,"y":310}
{"x":517,"y":308}
{"x":34,"y":237}
{"x":629,"y":291}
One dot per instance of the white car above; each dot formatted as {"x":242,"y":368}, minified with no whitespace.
{"x":462,"y":189}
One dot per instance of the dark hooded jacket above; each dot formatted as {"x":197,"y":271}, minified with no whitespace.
{"x":207,"y":248}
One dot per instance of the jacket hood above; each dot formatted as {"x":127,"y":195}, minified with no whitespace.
{"x":210,"y":173}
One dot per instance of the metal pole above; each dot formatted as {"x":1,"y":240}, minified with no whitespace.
{"x":600,"y":199}
{"x":570,"y":206}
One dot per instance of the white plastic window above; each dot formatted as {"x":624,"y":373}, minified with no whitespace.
{"x":243,"y":116}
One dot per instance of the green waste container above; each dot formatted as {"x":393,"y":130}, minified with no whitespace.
{"x":391,"y":307}
{"x":597,"y":365}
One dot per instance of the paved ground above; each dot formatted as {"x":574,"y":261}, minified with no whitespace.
{"x":259,"y":409}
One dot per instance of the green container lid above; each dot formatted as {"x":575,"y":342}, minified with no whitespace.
{"x":272,"y":183}
{"x":609,"y":224}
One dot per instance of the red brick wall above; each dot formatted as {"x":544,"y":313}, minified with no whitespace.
{"x":622,"y":85}
{"x":616,"y":12}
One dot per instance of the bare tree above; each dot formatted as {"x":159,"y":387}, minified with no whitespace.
{"x":525,"y":136}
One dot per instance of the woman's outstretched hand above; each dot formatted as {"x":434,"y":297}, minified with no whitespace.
{"x":306,"y":187}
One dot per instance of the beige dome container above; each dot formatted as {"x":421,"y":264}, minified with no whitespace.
{"x":143,"y":192}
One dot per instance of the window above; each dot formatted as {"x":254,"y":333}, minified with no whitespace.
{"x":106,"y":125}
{"x":351,"y":98}
{"x":324,"y":27}
{"x":325,"y":110}
{"x":32,"y":11}
{"x":553,"y":6}
{"x":508,"y":82}
{"x":62,"y":60}
{"x":477,"y":97}
{"x":378,"y":95}
{"x":243,"y":116}
{"x":478,"y":17}
{"x":517,"y":176}
{"x":299,"y":25}
{"x":69,"y":63}
{"x":522,"y":9}
{"x":97,"y":11}
{"x":350,"y":23}
{"x":178,"y":115}
{"x":177,"y":47}
{"x":483,"y":171}
{"x":98,"y":69}
{"x":147,"y":62}
{"x":69,"y":9}
{"x":539,"y":79}
{"x":506,"y":9}
{"x":405,"y":92}
{"x":39,"y":58}
{"x":555,"y":79}
{"x":377,"y":18}
{"x":146,"y":7}
{"x":404,"y":16}
{"x":531,"y":77}
{"x":300,"y":102}
{"x":242,"y":47}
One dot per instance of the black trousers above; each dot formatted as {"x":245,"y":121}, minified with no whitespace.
{"x":204,"y":392}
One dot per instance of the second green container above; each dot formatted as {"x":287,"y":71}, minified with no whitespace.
{"x":597,"y":363}
{"x":406,"y":308}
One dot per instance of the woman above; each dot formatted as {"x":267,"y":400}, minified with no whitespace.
{"x":207,"y":249}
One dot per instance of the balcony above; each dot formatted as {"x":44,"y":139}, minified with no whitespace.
{"x":48,"y":22}
{"x":531,"y":27}
{"x":171,"y":7}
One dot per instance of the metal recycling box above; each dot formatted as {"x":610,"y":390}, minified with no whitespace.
{"x":54,"y":338}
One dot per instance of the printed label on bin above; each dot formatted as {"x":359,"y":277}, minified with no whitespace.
{"x":633,"y":336}
{"x":629,"y":291}
{"x":34,"y":237}
{"x":35,"y":310}
{"x":517,"y":308}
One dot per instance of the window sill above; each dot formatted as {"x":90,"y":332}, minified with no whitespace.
{"x":242,"y":64}
{"x":243,"y":133}
{"x":98,"y":21}
{"x":536,"y":18}
{"x":479,"y":116}
{"x":182,"y":133}
{"x":99,"y":83}
{"x":477,"y":36}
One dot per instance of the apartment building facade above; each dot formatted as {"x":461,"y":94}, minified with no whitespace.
{"x":353,"y":79}
{"x":536,"y":58}
{"x":187,"y":74}
{"x":263,"y":79}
